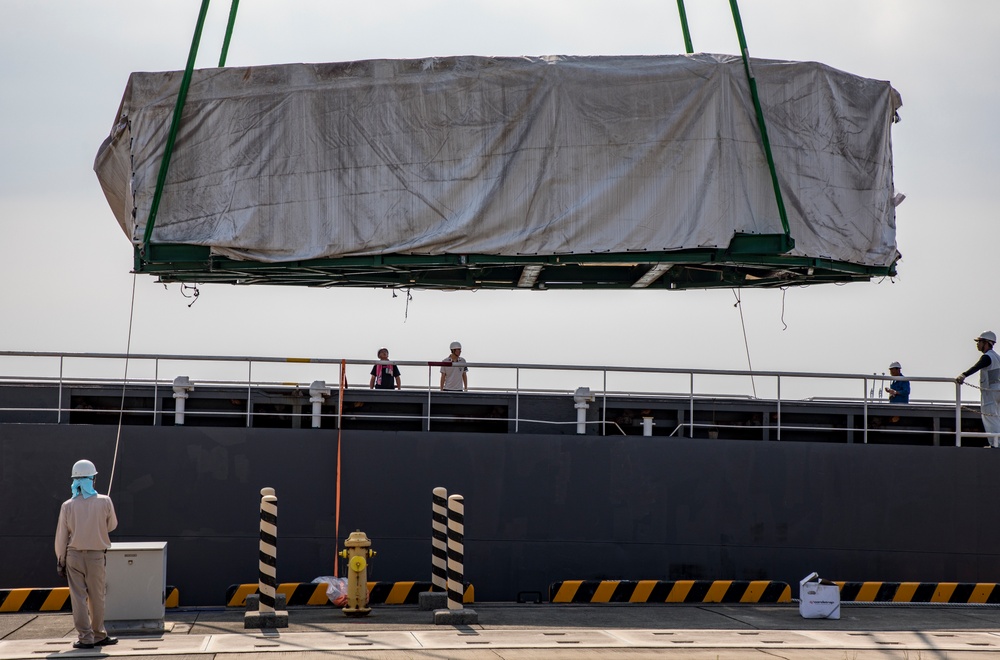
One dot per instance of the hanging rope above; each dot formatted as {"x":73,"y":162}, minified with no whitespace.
{"x":336,"y":514}
{"x":409,"y":297}
{"x":121,"y":408}
{"x":746,"y":343}
{"x":784,"y":290}
{"x":193,"y":288}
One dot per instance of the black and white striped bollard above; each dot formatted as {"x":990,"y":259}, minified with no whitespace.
{"x":266,"y":615}
{"x":456,"y":550}
{"x":456,"y":612}
{"x":268,"y":564}
{"x":437,"y":597}
{"x":439,"y":540}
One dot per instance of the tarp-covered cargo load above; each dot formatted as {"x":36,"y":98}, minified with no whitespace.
{"x":506,"y":156}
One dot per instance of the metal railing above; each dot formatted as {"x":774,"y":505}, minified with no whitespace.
{"x":247,"y":373}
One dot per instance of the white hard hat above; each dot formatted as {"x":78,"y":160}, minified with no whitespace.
{"x":455,"y":345}
{"x":895,"y":365}
{"x":989,"y":336}
{"x":83,"y":468}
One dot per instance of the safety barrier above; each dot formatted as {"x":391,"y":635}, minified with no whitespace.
{"x":776,"y":391}
{"x":54,"y":600}
{"x":314,"y":593}
{"x":662,"y":591}
{"x":964,"y":593}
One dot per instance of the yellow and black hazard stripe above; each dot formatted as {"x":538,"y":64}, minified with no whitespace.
{"x":35,"y":600}
{"x":965,"y":593}
{"x":309,"y":593}
{"x":663,"y":591}
{"x":53,"y":600}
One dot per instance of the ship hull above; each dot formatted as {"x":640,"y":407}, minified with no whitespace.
{"x":539,"y":508}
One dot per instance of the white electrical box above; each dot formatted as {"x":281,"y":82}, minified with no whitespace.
{"x":137,"y":581}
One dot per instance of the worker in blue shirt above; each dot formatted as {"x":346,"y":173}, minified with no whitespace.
{"x":899,"y":390}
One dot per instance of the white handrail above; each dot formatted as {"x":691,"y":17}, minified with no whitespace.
{"x":63,"y":380}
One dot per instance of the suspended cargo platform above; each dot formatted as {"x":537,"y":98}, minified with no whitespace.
{"x":533,"y":172}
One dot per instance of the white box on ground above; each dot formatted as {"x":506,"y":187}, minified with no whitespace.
{"x":137,"y":581}
{"x":818,"y":598}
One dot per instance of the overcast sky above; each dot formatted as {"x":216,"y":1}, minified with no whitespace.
{"x":65,"y":264}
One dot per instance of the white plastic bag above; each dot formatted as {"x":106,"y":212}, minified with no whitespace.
{"x":818,"y":598}
{"x":336,"y":589}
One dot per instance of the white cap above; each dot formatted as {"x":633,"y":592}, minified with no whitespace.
{"x":83,"y":468}
{"x":455,"y":345}
{"x":989,"y":336}
{"x":895,"y":365}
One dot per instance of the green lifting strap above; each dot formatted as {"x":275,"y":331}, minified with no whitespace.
{"x":744,"y":51}
{"x":174,"y":126}
{"x":684,"y":27}
{"x":175,"y":123}
{"x":196,"y":40}
{"x":229,"y":33}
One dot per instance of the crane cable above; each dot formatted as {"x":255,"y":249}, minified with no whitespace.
{"x":121,"y":408}
{"x":336,"y":514}
{"x":746,"y":343}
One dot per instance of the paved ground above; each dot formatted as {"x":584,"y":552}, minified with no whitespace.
{"x":527,"y":632}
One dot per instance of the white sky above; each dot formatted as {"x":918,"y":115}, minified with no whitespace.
{"x":65,"y":264}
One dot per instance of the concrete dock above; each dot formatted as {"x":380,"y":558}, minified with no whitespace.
{"x":528,"y":631}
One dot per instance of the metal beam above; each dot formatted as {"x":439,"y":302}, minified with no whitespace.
{"x":651,"y":275}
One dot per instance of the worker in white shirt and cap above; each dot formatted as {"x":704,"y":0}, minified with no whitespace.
{"x":454,"y":378}
{"x":989,"y":384}
{"x":81,"y":545}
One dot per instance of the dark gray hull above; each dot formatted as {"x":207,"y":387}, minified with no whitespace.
{"x":539,"y":508}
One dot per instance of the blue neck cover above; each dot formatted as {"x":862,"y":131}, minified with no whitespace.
{"x":84,"y":486}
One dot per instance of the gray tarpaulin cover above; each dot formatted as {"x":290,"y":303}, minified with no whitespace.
{"x":511,"y":156}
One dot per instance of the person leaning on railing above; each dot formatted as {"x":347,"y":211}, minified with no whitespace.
{"x":988,"y":367}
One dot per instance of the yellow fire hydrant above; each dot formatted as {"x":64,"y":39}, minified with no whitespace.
{"x":357,"y":550}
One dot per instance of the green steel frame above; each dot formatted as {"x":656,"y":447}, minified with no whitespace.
{"x":749,"y":260}
{"x":683,"y":269}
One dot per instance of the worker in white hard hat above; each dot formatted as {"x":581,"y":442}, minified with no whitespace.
{"x":899,"y":390}
{"x":455,"y":379}
{"x":989,"y":384}
{"x":81,"y":543}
